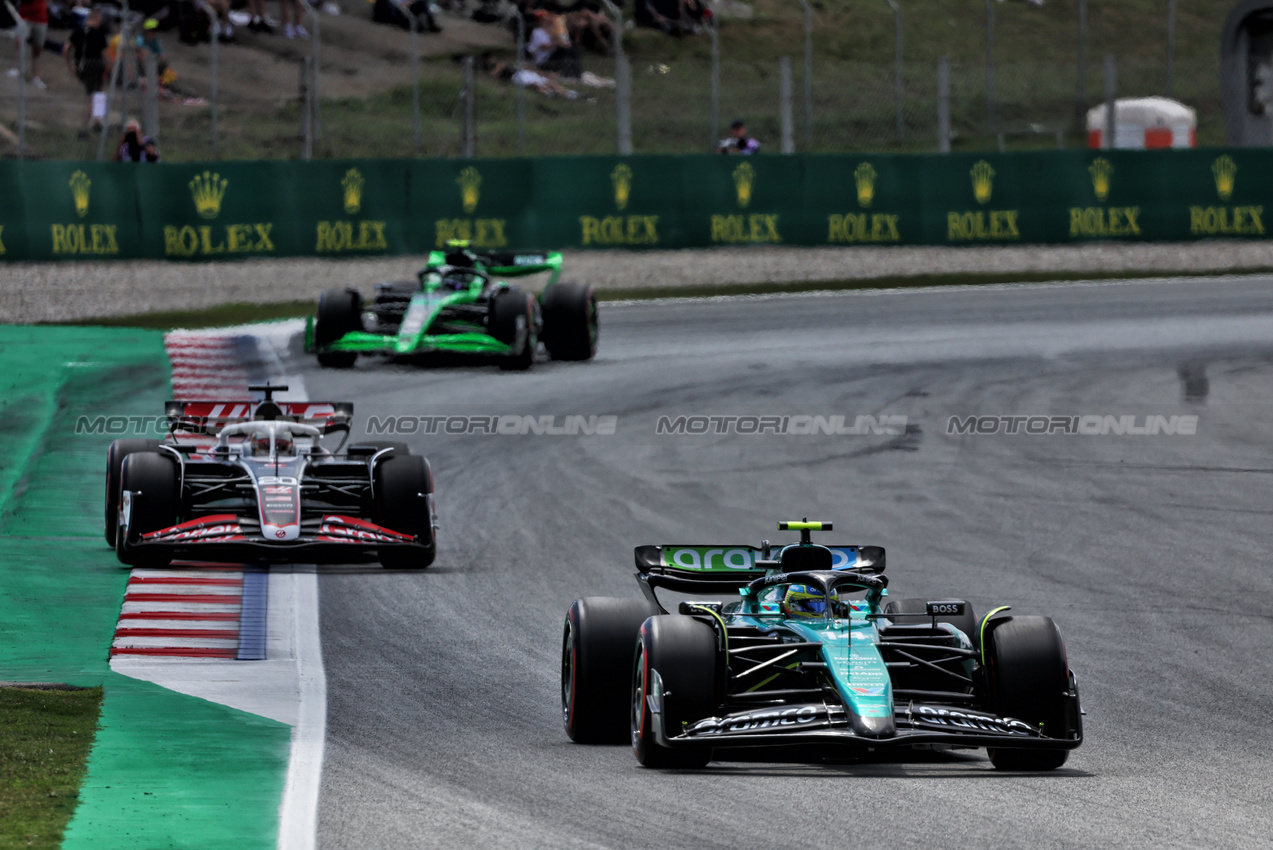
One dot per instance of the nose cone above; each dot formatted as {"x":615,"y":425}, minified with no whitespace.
{"x":874,"y":727}
{"x":281,"y":532}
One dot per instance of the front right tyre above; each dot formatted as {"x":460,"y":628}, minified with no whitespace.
{"x":1028,"y":678}
{"x":683,"y":651}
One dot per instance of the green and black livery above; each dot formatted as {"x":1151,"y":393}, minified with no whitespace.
{"x":460,"y":304}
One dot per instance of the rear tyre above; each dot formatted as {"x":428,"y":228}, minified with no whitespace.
{"x":683,"y":651}
{"x":404,"y":491}
{"x":115,"y":455}
{"x":153,"y":478}
{"x":598,"y":640}
{"x":570,"y":321}
{"x":1028,"y":676}
{"x":512,"y":321}
{"x":339,"y":312}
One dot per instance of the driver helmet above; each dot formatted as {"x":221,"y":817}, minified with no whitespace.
{"x":261,"y":444}
{"x":803,"y":602}
{"x":456,"y":282}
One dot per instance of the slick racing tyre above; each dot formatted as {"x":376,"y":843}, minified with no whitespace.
{"x":115,"y":455}
{"x":683,"y":651}
{"x":339,"y":312}
{"x":404,"y":487}
{"x":153,"y":478}
{"x":513,"y":321}
{"x":570,"y":321}
{"x":598,"y":640}
{"x":1028,"y":677}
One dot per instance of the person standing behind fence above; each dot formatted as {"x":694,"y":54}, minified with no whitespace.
{"x":36,"y":15}
{"x":87,"y":62}
{"x":738,"y":142}
{"x":134,"y":147}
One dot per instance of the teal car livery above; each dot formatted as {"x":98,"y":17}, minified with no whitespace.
{"x":801,"y":644}
{"x":456,"y":305}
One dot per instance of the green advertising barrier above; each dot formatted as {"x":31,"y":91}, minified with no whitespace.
{"x":201,"y":211}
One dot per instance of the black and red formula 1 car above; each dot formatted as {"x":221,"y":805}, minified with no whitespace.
{"x":251,"y":481}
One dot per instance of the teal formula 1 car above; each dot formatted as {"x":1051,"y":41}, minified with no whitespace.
{"x":809,"y":651}
{"x":456,"y":305}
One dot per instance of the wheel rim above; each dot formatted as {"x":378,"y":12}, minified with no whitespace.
{"x":567,"y":673}
{"x":638,"y":696}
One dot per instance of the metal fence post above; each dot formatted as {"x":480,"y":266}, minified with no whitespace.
{"x":897,"y":64}
{"x":152,"y":96}
{"x":415,"y":80}
{"x":784,"y":105}
{"x":307,"y":113}
{"x":943,"y":105}
{"x":521,"y":90}
{"x":1107,"y":140}
{"x":315,"y":70}
{"x":216,"y":32}
{"x":23,"y":31}
{"x":1081,"y":91}
{"x":990,"y":66}
{"x":114,"y":82}
{"x":715,"y":33}
{"x":623,"y":105}
{"x":808,"y":74}
{"x":467,"y":130}
{"x":1171,"y":44}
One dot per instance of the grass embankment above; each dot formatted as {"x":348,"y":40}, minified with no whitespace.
{"x":1036,"y":83}
{"x":43,"y":749}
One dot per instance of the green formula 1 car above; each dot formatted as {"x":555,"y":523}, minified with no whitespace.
{"x":456,"y":305}
{"x":810,"y":651}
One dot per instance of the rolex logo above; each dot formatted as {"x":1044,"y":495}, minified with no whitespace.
{"x":208,"y":189}
{"x":1225,"y":171}
{"x":352,"y":185}
{"x":79,"y":190}
{"x":621,"y":177}
{"x":470,"y":185}
{"x":983,"y":181}
{"x":864,"y":177}
{"x":744,"y":177}
{"x":1101,"y":171}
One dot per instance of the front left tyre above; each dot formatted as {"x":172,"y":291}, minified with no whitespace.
{"x":403,"y":502}
{"x":1028,"y":679}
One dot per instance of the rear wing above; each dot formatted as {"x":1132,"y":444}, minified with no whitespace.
{"x":719,"y":569}
{"x":506,"y":263}
{"x":209,"y":417}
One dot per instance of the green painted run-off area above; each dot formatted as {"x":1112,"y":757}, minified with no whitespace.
{"x":166,"y":770}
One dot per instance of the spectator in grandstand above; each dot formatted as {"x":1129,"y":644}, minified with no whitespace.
{"x":36,"y":15}
{"x":550,"y":47}
{"x":86,"y":57}
{"x":134,"y":147}
{"x":526,"y":78}
{"x":738,"y":142}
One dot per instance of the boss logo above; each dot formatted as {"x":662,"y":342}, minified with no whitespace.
{"x":939,"y":608}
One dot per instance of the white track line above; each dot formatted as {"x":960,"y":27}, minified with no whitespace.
{"x":298,"y":813}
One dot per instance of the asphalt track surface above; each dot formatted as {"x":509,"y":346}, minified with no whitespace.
{"x":1151,"y":552}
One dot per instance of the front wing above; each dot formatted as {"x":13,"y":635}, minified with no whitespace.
{"x":332,"y":539}
{"x":818,"y":723}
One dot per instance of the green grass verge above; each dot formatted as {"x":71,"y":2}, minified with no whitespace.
{"x":47,"y":735}
{"x":238,"y":313}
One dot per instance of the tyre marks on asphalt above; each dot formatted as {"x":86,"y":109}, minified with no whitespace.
{"x":195,"y":611}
